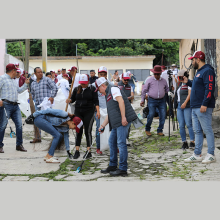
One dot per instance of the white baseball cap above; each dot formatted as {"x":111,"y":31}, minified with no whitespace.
{"x":126,"y":75}
{"x":18,"y":70}
{"x":102,"y":69}
{"x":52,"y":71}
{"x":83,"y":79}
{"x":99,"y":82}
{"x":17,"y":64}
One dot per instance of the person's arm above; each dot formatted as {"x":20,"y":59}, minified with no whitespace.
{"x":209,"y":83}
{"x":144,"y":91}
{"x":187,"y":99}
{"x":24,"y":87}
{"x":53,"y":87}
{"x":105,"y":122}
{"x":73,"y":96}
{"x":188,"y":82}
{"x":122,"y":110}
{"x":1,"y":85}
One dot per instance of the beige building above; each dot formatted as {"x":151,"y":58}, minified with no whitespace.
{"x":211,"y":48}
{"x":139,"y":65}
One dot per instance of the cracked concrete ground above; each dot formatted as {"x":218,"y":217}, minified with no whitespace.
{"x":149,"y":159}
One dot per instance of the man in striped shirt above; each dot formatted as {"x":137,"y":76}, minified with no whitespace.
{"x":40,"y":88}
{"x":8,"y":102}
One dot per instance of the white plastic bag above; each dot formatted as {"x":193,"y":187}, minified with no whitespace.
{"x":105,"y":135}
{"x":137,"y":86}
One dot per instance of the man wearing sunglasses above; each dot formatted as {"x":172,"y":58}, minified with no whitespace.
{"x":156,"y":87}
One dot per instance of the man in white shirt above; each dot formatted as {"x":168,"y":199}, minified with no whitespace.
{"x":76,"y":81}
{"x":59,"y":77}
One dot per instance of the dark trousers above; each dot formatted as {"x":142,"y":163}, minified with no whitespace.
{"x":88,"y":119}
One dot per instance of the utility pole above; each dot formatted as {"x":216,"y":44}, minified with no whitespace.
{"x":162,"y":58}
{"x":44,"y":55}
{"x":27,"y":54}
{"x":77,"y":59}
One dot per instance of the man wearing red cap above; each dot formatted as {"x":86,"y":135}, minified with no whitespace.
{"x":8,"y":102}
{"x":53,"y":76}
{"x":202,"y":102}
{"x":19,"y":79}
{"x":156,"y":87}
{"x":71,"y":73}
{"x":55,"y":122}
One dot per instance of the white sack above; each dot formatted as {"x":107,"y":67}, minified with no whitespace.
{"x":105,"y":135}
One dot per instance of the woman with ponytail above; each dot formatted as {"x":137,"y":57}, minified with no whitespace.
{"x":86,"y":103}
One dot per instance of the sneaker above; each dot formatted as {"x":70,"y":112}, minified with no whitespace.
{"x":98,"y":151}
{"x":193,"y":159}
{"x":192,"y":146}
{"x":76,"y":155}
{"x":185,"y":145}
{"x":209,"y":158}
{"x":30,"y":119}
{"x":88,"y":155}
{"x":70,"y":156}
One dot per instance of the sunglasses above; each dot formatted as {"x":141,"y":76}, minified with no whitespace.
{"x":156,"y":74}
{"x":126,"y":80}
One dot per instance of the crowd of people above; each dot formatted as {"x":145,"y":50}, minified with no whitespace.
{"x":194,"y":101}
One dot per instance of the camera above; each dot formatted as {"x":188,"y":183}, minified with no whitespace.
{"x":169,"y":72}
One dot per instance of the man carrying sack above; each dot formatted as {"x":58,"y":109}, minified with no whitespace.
{"x":120,"y":116}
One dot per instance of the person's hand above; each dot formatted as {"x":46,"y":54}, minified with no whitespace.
{"x":203,"y":109}
{"x":183,"y":105}
{"x":51,"y":100}
{"x":68,"y":101}
{"x":70,"y":115}
{"x":124,"y":121}
{"x":185,"y":79}
{"x":98,"y":114}
{"x":1,"y":103}
{"x":27,"y":81}
{"x":142,"y":104}
{"x":101,"y":127}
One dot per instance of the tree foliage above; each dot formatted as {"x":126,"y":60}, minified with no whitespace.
{"x":103,"y":47}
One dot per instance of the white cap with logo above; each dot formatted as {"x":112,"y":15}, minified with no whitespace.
{"x":102,"y":69}
{"x":99,"y":82}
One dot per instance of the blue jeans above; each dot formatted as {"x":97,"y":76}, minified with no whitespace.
{"x":55,"y":112}
{"x":202,"y":122}
{"x":97,"y":128}
{"x":118,"y":139}
{"x":13,"y":112}
{"x":133,"y":86}
{"x":184,"y":117}
{"x":46,"y":126}
{"x":152,"y":105}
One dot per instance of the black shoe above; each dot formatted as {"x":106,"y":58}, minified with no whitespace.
{"x":30,"y":120}
{"x":70,"y":156}
{"x":185,"y":145}
{"x":119,"y":172}
{"x":109,"y":169}
{"x":76,"y":155}
{"x":192,"y":146}
{"x":88,"y":155}
{"x":128,"y":145}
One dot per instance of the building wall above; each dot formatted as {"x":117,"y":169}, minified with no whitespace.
{"x":88,"y":63}
{"x":2,"y":56}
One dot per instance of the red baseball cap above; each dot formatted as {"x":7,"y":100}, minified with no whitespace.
{"x":66,"y":75}
{"x":78,"y":122}
{"x":11,"y":66}
{"x":72,"y":68}
{"x":163,"y":67}
{"x":198,"y":54}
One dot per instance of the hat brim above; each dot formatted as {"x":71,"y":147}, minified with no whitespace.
{"x":83,"y":82}
{"x":126,"y":78}
{"x":152,"y":70}
{"x":102,"y":71}
{"x":191,"y":58}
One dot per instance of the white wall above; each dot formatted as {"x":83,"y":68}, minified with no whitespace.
{"x":10,"y":59}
